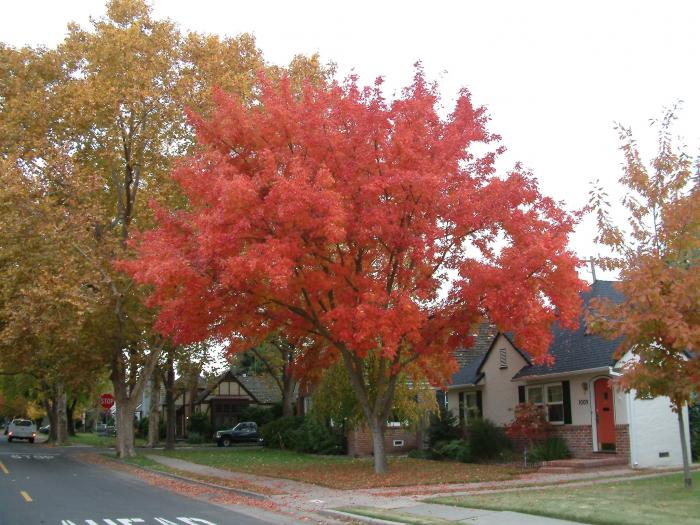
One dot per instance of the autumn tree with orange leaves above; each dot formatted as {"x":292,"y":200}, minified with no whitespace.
{"x":658,"y":256}
{"x":105,"y":110}
{"x":373,"y":228}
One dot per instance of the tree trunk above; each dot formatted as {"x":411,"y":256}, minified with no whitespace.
{"x":125,"y":428}
{"x":51,"y":412}
{"x":288,"y":395}
{"x":61,"y":415}
{"x":154,"y":414}
{"x":70,"y":413}
{"x":170,"y":428}
{"x":128,"y":399}
{"x":376,"y":412}
{"x":380,"y":464}
{"x":687,"y":479}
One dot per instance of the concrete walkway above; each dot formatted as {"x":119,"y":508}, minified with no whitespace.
{"x":308,"y":502}
{"x":447,"y":514}
{"x":305,"y":500}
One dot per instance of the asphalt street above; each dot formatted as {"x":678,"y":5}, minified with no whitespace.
{"x":42,"y":485}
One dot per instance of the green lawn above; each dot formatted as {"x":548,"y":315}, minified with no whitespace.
{"x":651,"y":501}
{"x":342,"y":472}
{"x":98,"y":441}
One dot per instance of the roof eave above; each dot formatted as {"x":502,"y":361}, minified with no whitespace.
{"x":605,"y":369}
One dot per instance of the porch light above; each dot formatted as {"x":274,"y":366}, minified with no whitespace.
{"x":584,"y":386}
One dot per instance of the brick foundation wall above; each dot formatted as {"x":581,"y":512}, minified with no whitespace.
{"x":578,"y":437}
{"x":360,"y":441}
{"x":622,"y":440}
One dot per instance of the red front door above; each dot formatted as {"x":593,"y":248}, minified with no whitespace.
{"x":604,"y":414}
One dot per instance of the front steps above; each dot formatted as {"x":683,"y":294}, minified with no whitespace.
{"x":568,"y":466}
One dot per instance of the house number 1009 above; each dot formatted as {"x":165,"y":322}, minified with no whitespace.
{"x":583,"y":401}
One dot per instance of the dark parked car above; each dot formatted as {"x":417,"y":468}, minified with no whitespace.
{"x":45,"y":429}
{"x":244,"y":432}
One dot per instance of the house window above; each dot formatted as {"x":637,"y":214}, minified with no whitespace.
{"x":534,"y":395}
{"x":551,"y":398}
{"x":468,"y":406}
{"x":503,"y":358}
{"x":555,"y":403}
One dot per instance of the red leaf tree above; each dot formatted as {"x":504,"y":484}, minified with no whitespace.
{"x":374,"y":233}
{"x":529,"y":423}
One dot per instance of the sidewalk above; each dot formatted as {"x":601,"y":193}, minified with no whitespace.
{"x":308,"y":501}
{"x":437,"y":514}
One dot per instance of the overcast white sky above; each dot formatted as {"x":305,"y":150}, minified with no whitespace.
{"x":555,"y":75}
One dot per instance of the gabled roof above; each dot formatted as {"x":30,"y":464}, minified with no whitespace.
{"x":470,"y":359}
{"x":578,"y":350}
{"x":260,"y":388}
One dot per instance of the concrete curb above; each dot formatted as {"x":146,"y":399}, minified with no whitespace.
{"x":357,"y":517}
{"x":240,"y":492}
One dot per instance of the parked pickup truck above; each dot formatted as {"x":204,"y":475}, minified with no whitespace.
{"x":21,"y":429}
{"x":244,"y":432}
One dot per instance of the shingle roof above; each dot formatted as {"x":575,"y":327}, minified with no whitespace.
{"x":577,"y":350}
{"x":470,"y":359}
{"x":261,"y":388}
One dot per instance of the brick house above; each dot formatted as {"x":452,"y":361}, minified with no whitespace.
{"x":577,"y":391}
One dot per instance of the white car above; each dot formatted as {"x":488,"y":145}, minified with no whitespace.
{"x":21,"y":429}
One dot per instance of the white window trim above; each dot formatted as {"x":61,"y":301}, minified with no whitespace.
{"x":545,"y":400}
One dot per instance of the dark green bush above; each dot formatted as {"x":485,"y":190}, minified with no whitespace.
{"x":422,"y":454}
{"x":262,"y":415}
{"x":194,"y":438}
{"x":199,"y":423}
{"x":316,"y":437}
{"x":486,"y":439}
{"x":443,"y":427}
{"x":141,"y":427}
{"x":549,"y":450}
{"x":457,"y":449}
{"x":280,"y":432}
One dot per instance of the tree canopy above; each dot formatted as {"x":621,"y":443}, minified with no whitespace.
{"x":658,"y":257}
{"x":373,"y":227}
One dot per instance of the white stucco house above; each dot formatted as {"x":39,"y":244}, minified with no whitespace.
{"x":579,"y":393}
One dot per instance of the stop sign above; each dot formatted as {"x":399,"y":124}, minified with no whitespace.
{"x":106,"y":400}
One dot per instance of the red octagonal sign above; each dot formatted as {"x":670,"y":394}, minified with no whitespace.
{"x":106,"y":400}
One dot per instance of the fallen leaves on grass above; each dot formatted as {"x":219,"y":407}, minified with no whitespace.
{"x":182,"y":487}
{"x":234,"y":484}
{"x":359,"y":473}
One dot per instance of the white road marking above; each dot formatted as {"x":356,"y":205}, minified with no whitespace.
{"x":32,"y":456}
{"x":132,"y":521}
